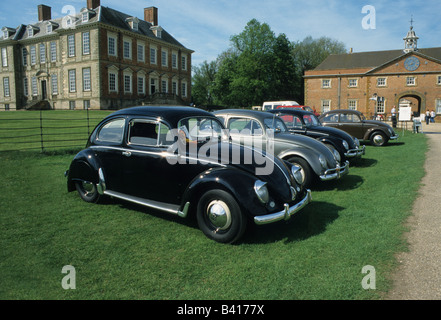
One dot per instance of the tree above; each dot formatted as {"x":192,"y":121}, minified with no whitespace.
{"x":309,"y":53}
{"x":203,"y":82}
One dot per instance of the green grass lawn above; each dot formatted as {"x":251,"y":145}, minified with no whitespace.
{"x":122,"y":251}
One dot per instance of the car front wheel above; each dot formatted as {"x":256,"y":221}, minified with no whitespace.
{"x":378,"y":139}
{"x":305,"y":169}
{"x":87,"y":191}
{"x":220,"y":217}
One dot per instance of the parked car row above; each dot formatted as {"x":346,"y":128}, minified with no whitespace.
{"x":224,"y":168}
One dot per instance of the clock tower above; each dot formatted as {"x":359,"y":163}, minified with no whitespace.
{"x":410,"y":41}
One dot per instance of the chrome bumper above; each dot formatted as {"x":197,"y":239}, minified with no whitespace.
{"x":335,"y":173}
{"x":395,"y":137}
{"x":356,"y":152}
{"x":286,"y":213}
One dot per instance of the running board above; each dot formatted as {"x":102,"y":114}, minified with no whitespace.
{"x":174,"y":209}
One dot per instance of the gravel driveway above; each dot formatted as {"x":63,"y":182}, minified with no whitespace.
{"x":419,"y":274}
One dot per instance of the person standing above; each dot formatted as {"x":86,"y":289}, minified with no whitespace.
{"x":394,"y":116}
{"x":427,"y":117}
{"x":432,"y":116}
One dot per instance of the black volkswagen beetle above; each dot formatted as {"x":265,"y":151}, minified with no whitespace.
{"x":306,"y":123}
{"x":355,"y":123}
{"x":180,"y":160}
{"x":267,"y":131}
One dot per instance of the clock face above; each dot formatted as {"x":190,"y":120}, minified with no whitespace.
{"x":411,"y":63}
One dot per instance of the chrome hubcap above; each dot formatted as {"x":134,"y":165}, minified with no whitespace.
{"x":219,"y":214}
{"x":88,"y":187}
{"x":378,"y":139}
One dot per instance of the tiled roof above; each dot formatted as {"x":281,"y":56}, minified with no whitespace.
{"x":371,"y":59}
{"x":102,"y":14}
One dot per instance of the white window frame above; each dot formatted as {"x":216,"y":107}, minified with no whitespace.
{"x":164,"y":85}
{"x":127,"y":49}
{"x":325,"y":105}
{"x":24,"y":56}
{"x":438,"y":82}
{"x":54,"y":84}
{"x":4,"y":57}
{"x":33,"y":54}
{"x":87,"y":79}
{"x":153,"y":53}
{"x":382,"y":82}
{"x":353,"y":83}
{"x":141,"y":84}
{"x":34,"y":86}
{"x":184,"y":62}
{"x":140,"y":52}
{"x":53,"y":51}
{"x":71,"y":45}
{"x":6,"y":87}
{"x":174,"y":60}
{"x":164,"y":58}
{"x":112,"y":44}
{"x":86,"y":43}
{"x":352,"y":104}
{"x":72,"y":77}
{"x":184,"y":89}
{"x":25,"y":87}
{"x":113,"y":81}
{"x":42,"y":51}
{"x":326,"y":83}
{"x":128,"y":83}
{"x":411,"y":81}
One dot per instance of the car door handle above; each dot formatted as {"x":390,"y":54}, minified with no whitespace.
{"x":127,"y":153}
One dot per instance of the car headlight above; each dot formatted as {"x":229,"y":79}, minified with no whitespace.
{"x":336,"y":155}
{"x":261,"y":191}
{"x":323,"y":161}
{"x":345,"y":144}
{"x":297,"y":173}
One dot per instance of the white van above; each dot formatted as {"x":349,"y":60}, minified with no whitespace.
{"x":269,"y":105}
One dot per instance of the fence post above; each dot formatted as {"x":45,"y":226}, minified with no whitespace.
{"x":41,"y":131}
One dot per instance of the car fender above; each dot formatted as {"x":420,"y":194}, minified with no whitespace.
{"x":308,"y":155}
{"x":241,"y":188}
{"x":368,"y":132}
{"x":85,"y":166}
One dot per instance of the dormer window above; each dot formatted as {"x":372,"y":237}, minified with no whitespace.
{"x":51,"y":26}
{"x":7,"y":32}
{"x":85,"y":16}
{"x":157,"y":30}
{"x":32,"y":30}
{"x":133,"y":23}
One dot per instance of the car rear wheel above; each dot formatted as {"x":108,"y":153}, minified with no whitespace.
{"x":305,"y":169}
{"x":378,"y":139}
{"x":87,"y":191}
{"x":220,"y":217}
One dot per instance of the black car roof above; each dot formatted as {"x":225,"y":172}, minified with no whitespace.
{"x":245,"y":112}
{"x":343,"y":110}
{"x":171,"y":114}
{"x":296,"y":111}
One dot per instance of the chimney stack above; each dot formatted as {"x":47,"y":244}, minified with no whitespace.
{"x":93,"y":4}
{"x":44,"y":13}
{"x":151,"y":15}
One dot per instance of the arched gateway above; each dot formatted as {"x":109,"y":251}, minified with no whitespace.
{"x":413,"y":99}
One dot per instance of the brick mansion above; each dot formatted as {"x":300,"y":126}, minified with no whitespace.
{"x":98,"y":58}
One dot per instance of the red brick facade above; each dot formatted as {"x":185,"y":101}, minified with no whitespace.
{"x":353,"y":88}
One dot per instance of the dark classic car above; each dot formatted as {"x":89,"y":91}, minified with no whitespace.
{"x":306,"y":123}
{"x":180,"y":160}
{"x":263,"y":130}
{"x":355,"y":123}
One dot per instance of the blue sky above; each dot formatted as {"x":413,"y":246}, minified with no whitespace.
{"x":206,"y":26}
